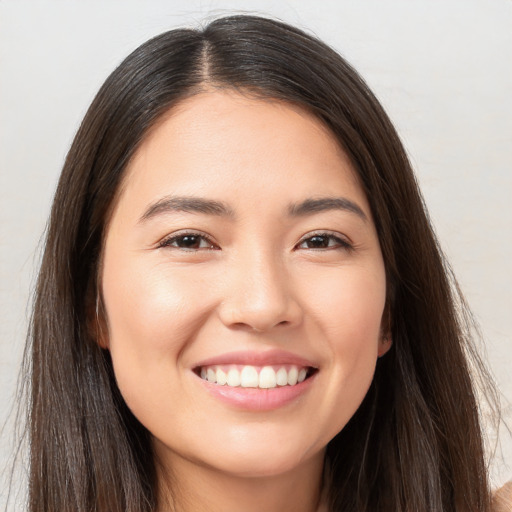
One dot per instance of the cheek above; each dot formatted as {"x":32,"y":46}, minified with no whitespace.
{"x":152,"y":314}
{"x":349,"y":304}
{"x":348,"y":311}
{"x":150,"y":307}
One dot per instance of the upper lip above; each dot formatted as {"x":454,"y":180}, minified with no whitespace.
{"x":256,"y":358}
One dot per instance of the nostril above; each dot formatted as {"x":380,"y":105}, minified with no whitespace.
{"x":282,"y":323}
{"x":260,"y":314}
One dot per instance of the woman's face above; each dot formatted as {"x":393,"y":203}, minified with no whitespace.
{"x":244,"y":286}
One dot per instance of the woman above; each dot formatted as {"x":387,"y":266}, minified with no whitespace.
{"x":242,"y":305}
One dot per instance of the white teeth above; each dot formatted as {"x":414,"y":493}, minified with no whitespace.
{"x":222,"y":378}
{"x":282,"y":377}
{"x":233,"y":379}
{"x":292,"y":376}
{"x":249,"y":377}
{"x":254,"y":377}
{"x":267,"y":378}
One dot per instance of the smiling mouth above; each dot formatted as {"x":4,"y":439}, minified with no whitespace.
{"x":262,"y":377}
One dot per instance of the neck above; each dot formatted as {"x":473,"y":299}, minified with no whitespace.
{"x":192,"y":488}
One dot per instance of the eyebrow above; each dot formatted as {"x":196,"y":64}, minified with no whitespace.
{"x":186,"y":204}
{"x":311,"y":206}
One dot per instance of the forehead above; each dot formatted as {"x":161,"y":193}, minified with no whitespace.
{"x":224,"y":143}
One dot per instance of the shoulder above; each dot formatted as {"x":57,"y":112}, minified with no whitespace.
{"x":502,"y":499}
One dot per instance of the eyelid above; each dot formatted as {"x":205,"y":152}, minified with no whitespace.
{"x":172,"y":237}
{"x":343,"y":241}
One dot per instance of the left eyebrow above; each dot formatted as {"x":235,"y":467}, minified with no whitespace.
{"x":186,"y":204}
{"x":311,"y":206}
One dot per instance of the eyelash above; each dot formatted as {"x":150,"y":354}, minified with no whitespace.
{"x":167,"y":242}
{"x":340,"y":243}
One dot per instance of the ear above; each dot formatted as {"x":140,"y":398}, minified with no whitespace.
{"x":386,"y":339}
{"x":97,"y":323}
{"x":384,"y":344}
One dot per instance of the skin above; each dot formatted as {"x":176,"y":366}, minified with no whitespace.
{"x":502,"y":499}
{"x":257,"y":282}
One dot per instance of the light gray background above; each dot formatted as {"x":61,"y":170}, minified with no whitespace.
{"x":442,"y":69}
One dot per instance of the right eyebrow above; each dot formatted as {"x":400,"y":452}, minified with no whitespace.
{"x":186,"y":204}
{"x":312,"y":206}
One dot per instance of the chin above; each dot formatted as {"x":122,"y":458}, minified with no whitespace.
{"x":262,"y":460}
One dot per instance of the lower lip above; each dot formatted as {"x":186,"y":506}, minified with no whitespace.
{"x":256,"y":399}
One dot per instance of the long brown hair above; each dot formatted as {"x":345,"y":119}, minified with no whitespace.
{"x":415,"y":443}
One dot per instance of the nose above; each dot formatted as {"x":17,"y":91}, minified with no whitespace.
{"x":259,"y":295}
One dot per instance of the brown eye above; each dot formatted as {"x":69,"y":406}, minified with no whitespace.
{"x":188,"y":241}
{"x":324,"y":241}
{"x":317,"y":242}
